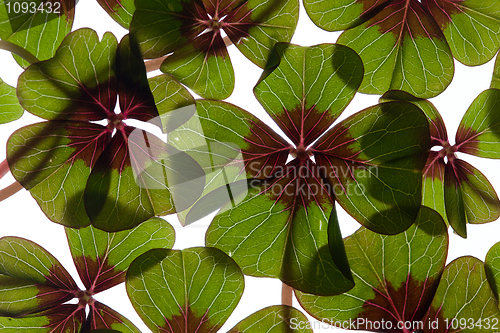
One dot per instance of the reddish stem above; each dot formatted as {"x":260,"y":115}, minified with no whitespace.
{"x":286,"y":295}
{"x":10,"y":190}
{"x":4,"y":168}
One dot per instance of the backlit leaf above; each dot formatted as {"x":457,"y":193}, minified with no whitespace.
{"x":10,"y":109}
{"x":192,"y":30}
{"x":120,"y":10}
{"x":53,"y":160}
{"x":103,"y":317}
{"x":39,"y":32}
{"x":63,"y":319}
{"x":396,"y":276}
{"x":308,"y":88}
{"x":471,"y":27}
{"x":31,"y":279}
{"x":193,"y":290}
{"x":479,"y":130}
{"x":464,"y":301}
{"x":102,"y":258}
{"x":402,"y":48}
{"x":374,"y":161}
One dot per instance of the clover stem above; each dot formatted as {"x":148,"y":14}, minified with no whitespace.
{"x":286,"y":295}
{"x":10,"y":190}
{"x":22,"y":52}
{"x":4,"y":168}
{"x":154,"y":64}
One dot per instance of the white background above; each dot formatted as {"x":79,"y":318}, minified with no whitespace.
{"x":21,"y":216}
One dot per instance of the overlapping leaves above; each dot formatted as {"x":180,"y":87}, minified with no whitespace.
{"x":451,"y":186}
{"x":79,"y":172}
{"x":402,"y":283}
{"x":198,"y":294}
{"x":38,"y":26}
{"x":409,"y":45}
{"x":192,"y":30}
{"x":34,"y":286}
{"x":276,"y":220}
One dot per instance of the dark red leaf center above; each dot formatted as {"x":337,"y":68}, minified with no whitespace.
{"x":448,"y":152}
{"x":85,"y":298}
{"x":115,"y":121}
{"x":300,"y":152}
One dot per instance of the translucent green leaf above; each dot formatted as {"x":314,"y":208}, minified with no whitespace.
{"x":374,"y":161}
{"x":103,"y":317}
{"x":73,"y":85}
{"x":464,"y":301}
{"x":305,"y":89}
{"x":120,"y":10}
{"x":396,"y":276}
{"x":280,"y":229}
{"x":9,"y":104}
{"x":38,"y":31}
{"x":53,"y":160}
{"x":31,"y":279}
{"x":192,"y":30}
{"x":471,"y":27}
{"x":402,"y":48}
{"x":102,"y":258}
{"x":62,"y":319}
{"x":191,"y":290}
{"x":479,"y":130}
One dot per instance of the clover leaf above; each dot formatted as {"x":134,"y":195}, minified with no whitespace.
{"x":192,"y":30}
{"x":409,"y":45}
{"x":402,"y":284}
{"x":451,"y":186}
{"x":34,"y":286}
{"x":82,"y":172}
{"x":275,"y":221}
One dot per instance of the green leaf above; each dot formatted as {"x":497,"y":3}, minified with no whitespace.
{"x":103,"y":317}
{"x":305,"y":89}
{"x":479,"y":130}
{"x":39,"y":32}
{"x":471,"y":27}
{"x":192,"y":31}
{"x":274,"y":319}
{"x":464,"y":296}
{"x":437,"y":127}
{"x":204,"y":66}
{"x":102,"y":258}
{"x":53,"y":160}
{"x":492,"y":268}
{"x":279,"y":230}
{"x":191,"y":290}
{"x":257,"y":26}
{"x":396,"y":276}
{"x":231,"y":145}
{"x":374,"y":160}
{"x":66,"y":318}
{"x":137,"y":177}
{"x":433,"y":173}
{"x":433,"y":184}
{"x":10,"y":109}
{"x":120,"y":10}
{"x":402,"y":48}
{"x":31,"y":279}
{"x":174,"y":103}
{"x":454,"y":201}
{"x":495,"y":80}
{"x":341,"y":14}
{"x":74,"y":84}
